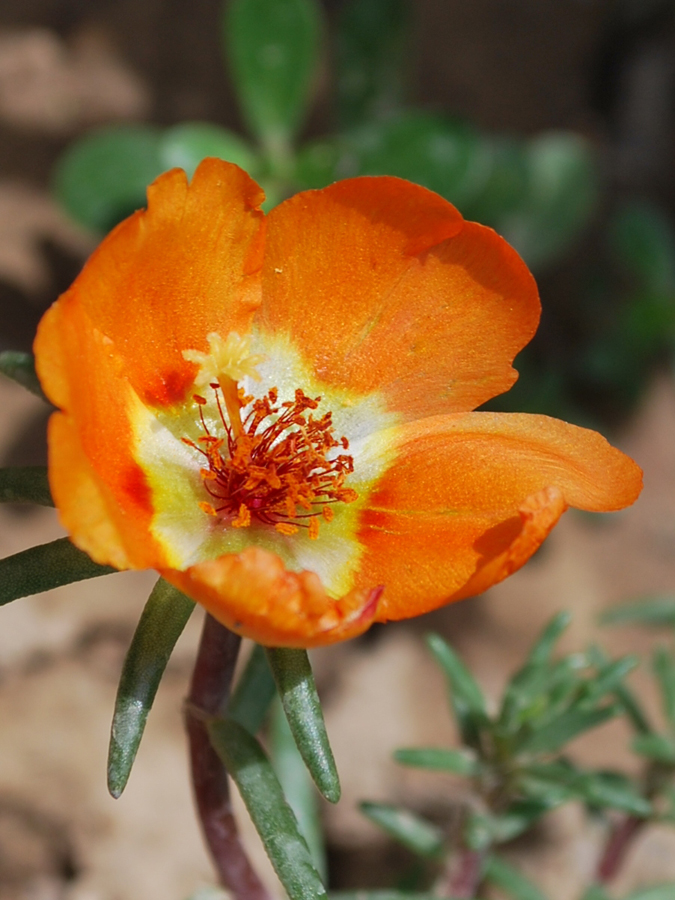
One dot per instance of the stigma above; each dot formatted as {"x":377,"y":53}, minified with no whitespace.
{"x":265,"y":462}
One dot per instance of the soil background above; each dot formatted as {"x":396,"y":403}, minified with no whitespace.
{"x":519,"y":66}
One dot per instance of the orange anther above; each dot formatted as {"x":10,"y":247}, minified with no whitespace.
{"x":314,"y":528}
{"x":286,"y":528}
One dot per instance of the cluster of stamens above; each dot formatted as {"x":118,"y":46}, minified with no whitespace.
{"x":278,"y":465}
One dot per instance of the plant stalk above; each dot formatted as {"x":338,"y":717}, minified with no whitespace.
{"x":208,"y":697}
{"x":620,"y":839}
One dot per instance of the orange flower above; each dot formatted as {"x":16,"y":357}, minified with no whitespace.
{"x":275,"y":413}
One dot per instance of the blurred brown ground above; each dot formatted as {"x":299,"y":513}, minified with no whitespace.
{"x":523,"y":66}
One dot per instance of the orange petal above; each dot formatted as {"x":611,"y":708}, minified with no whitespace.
{"x":383,"y":285}
{"x":253,"y":594}
{"x":166,"y":277}
{"x":98,"y":487}
{"x":456,"y":502}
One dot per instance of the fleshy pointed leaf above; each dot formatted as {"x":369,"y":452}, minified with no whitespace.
{"x":542,"y":649}
{"x":272,"y":47}
{"x":413,"y":832}
{"x":655,"y":746}
{"x":466,"y":697}
{"x":438,"y":759}
{"x":253,"y":695}
{"x":25,"y":484}
{"x":608,"y":679}
{"x":611,"y":790}
{"x":45,"y":567}
{"x":654,"y":611}
{"x":252,"y":772}
{"x":20,"y":367}
{"x":161,"y":624}
{"x":555,"y":734}
{"x":510,"y":880}
{"x":295,"y":683}
{"x":624,"y":695}
{"x":297,"y":786}
{"x":664,"y":669}
{"x":656,"y":892}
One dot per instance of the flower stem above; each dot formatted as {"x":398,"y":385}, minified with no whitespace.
{"x":208,"y":697}
{"x":463,"y":877}
{"x":620,"y":839}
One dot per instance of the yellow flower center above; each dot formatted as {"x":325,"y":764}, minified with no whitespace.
{"x":279,"y":465}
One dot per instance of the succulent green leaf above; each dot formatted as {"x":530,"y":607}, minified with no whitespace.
{"x":438,"y":759}
{"x":252,"y":772}
{"x":417,"y":834}
{"x":623,"y":694}
{"x":568,"y":725}
{"x":297,"y":786}
{"x":466,"y":696}
{"x":161,"y":624}
{"x":611,"y":790}
{"x":44,"y":567}
{"x":295,"y":682}
{"x":381,"y":895}
{"x":542,"y":649}
{"x":25,"y":484}
{"x":102,"y":177}
{"x":184,"y":146}
{"x":371,"y":43}
{"x":654,"y":611}
{"x":608,"y":679}
{"x":655,"y":746}
{"x":595,"y":892}
{"x":272,"y":48}
{"x":510,"y":880}
{"x":664,"y":669}
{"x":656,"y":892}
{"x":20,"y":367}
{"x":560,"y":199}
{"x":253,"y":695}
{"x":643,"y":242}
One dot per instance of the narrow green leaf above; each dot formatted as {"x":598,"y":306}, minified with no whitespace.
{"x":297,"y":786}
{"x":371,"y":43}
{"x":381,"y":895}
{"x":25,"y":484}
{"x":184,"y":146}
{"x":542,"y":648}
{"x":510,"y":880}
{"x":642,"y":239}
{"x":253,"y":695}
{"x":483,"y":830}
{"x":608,"y":679}
{"x":439,"y":759}
{"x":555,"y":734}
{"x":102,"y":177}
{"x":273,"y":818}
{"x":623,"y":694}
{"x":656,"y":892}
{"x":466,"y":696}
{"x":611,"y":790}
{"x":413,"y":832}
{"x":664,"y":669}
{"x":655,"y":746}
{"x":595,"y":892}
{"x":20,"y":367}
{"x":295,"y":683}
{"x":273,"y":47}
{"x":161,"y":624}
{"x":45,"y":567}
{"x":655,"y":611}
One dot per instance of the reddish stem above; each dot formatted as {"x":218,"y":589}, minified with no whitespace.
{"x":464,"y":875}
{"x":620,"y":839}
{"x":209,"y":695}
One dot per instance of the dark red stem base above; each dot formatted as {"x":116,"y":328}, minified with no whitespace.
{"x":209,"y":695}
